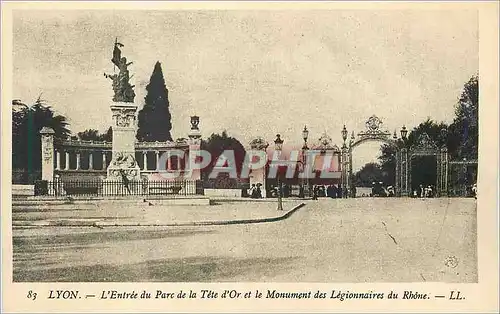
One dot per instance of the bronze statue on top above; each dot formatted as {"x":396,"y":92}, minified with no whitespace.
{"x":124,"y":92}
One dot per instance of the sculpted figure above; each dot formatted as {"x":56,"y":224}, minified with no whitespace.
{"x":124,"y":91}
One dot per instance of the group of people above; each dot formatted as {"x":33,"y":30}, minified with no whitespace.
{"x":331,"y":191}
{"x":378,"y":190}
{"x":255,"y":191}
{"x":424,"y":191}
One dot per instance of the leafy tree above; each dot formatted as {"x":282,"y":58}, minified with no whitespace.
{"x":88,"y":135}
{"x":371,"y":172}
{"x":26,"y":125}
{"x":154,"y":119}
{"x":94,"y":135}
{"x":216,"y":144}
{"x":464,"y":131}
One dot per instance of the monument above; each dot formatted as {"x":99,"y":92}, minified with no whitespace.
{"x":123,"y":166}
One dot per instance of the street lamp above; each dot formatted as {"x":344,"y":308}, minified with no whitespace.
{"x":344,"y":135}
{"x":465,"y":176}
{"x":305,"y":135}
{"x":278,"y":145}
{"x":404,"y":132}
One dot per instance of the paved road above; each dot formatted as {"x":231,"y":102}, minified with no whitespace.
{"x":355,"y":240}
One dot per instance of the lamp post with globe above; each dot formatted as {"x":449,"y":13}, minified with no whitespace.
{"x":278,"y":146}
{"x":305,"y":135}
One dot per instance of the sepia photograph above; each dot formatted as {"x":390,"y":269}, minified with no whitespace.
{"x":245,"y":145}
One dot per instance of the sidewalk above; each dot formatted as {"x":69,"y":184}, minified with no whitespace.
{"x":149,"y":213}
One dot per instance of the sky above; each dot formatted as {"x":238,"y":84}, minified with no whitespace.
{"x":254,"y":73}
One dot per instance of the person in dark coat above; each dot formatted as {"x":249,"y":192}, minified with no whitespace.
{"x":254,"y":191}
{"x":258,"y":191}
{"x":125,"y":180}
{"x":315,"y":193}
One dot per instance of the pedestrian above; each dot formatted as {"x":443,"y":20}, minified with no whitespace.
{"x":125,"y":180}
{"x":254,"y":191}
{"x":250,"y":190}
{"x":258,"y":191}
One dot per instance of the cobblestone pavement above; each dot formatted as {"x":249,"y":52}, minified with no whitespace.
{"x":330,"y":240}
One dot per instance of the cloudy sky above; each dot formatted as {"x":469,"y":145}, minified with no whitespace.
{"x":254,"y":73}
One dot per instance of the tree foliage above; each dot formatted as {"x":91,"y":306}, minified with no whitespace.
{"x":460,"y":137}
{"x":216,"y":144}
{"x":154,"y":119}
{"x":371,"y":172}
{"x":26,"y":125}
{"x":464,"y":131}
{"x":94,"y":135}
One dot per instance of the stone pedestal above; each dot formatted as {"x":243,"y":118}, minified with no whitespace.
{"x":258,"y":176}
{"x":123,"y":165}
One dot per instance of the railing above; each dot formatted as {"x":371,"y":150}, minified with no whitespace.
{"x":117,"y":188}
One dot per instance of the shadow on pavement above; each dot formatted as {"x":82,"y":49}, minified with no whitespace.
{"x":199,"y":269}
{"x":37,"y":244}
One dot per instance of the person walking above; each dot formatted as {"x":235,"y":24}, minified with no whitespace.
{"x":125,"y":180}
{"x":258,"y":192}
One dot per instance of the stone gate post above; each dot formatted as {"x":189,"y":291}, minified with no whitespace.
{"x":194,"y":148}
{"x":258,"y":176}
{"x":47,"y":153}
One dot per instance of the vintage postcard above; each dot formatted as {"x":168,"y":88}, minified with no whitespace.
{"x":249,"y":156}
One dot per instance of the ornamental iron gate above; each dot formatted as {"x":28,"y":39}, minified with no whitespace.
{"x":425,"y":146}
{"x":404,"y":156}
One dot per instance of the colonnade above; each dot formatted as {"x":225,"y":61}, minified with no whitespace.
{"x":172,"y":163}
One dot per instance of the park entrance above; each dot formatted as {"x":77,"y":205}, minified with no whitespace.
{"x":429,"y":166}
{"x":406,"y":159}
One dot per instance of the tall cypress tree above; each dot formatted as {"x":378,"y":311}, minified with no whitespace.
{"x":154,"y":120}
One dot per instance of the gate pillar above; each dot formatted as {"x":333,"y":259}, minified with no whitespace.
{"x":404,"y":172}
{"x":443,"y":171}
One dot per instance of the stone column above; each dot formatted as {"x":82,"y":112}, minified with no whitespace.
{"x":169,"y":163}
{"x":104,"y":161}
{"x":66,"y":166}
{"x":77,"y":160}
{"x":91,"y":161}
{"x":47,"y":153}
{"x":144,"y":160}
{"x":157,"y":154}
{"x":58,"y":160}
